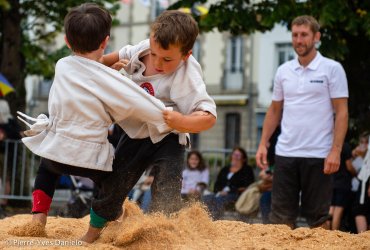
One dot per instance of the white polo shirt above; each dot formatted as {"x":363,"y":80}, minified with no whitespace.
{"x":308,"y":115}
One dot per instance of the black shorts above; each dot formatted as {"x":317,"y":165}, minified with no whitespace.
{"x":362,"y":209}
{"x":341,"y":197}
{"x":300,"y":187}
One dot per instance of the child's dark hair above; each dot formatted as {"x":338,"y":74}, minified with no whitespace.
{"x":201,"y":166}
{"x":86,"y":26}
{"x":174,"y":27}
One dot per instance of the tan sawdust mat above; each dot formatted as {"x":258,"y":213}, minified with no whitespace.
{"x":191,"y":228}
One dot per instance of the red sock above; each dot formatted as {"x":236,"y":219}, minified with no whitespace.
{"x":41,"y":202}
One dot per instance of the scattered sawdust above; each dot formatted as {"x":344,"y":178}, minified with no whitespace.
{"x":33,"y":229}
{"x":191,"y":228}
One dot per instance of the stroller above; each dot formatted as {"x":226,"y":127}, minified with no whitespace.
{"x":82,"y":192}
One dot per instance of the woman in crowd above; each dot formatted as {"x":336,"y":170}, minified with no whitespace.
{"x":231,"y":181}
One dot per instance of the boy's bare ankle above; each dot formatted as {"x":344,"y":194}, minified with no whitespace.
{"x":39,"y":218}
{"x":92,"y":234}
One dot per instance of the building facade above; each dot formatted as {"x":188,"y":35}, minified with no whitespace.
{"x":238,"y":72}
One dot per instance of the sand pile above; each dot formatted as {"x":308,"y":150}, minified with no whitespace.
{"x":191,"y":228}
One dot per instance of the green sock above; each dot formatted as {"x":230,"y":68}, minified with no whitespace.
{"x":96,"y":220}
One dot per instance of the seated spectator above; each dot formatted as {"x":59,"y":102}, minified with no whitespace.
{"x":231,"y":181}
{"x":195,"y":177}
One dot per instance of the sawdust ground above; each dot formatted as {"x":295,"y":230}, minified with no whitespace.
{"x":191,"y":228}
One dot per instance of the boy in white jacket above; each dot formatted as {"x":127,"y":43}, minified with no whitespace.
{"x":85,"y":99}
{"x":164,"y":67}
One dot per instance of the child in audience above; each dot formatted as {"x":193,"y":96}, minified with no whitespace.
{"x":195,"y":177}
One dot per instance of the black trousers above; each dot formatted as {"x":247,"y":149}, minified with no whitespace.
{"x":300,"y":180}
{"x":132,"y":158}
{"x":50,"y":171}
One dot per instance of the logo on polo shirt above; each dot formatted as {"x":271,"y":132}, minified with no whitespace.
{"x":316,"y":81}
{"x":148,"y":87}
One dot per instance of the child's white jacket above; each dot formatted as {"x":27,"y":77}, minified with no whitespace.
{"x":85,"y":99}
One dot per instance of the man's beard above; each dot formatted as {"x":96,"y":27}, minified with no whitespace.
{"x":306,"y":51}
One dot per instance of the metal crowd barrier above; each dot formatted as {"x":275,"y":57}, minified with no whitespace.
{"x":18,"y":168}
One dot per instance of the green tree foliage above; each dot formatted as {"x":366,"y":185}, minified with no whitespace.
{"x":27,"y":33}
{"x":345,"y":29}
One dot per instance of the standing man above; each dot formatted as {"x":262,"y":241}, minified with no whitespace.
{"x":310,"y":99}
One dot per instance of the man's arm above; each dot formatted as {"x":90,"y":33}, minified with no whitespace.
{"x":194,"y":123}
{"x":332,"y":161}
{"x":272,"y":120}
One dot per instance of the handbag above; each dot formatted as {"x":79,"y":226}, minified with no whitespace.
{"x":248,"y":201}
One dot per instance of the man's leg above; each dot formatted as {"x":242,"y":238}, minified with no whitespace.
{"x":361,"y":212}
{"x":285,"y":191}
{"x":341,"y":198}
{"x":316,"y":192}
{"x":337,"y":218}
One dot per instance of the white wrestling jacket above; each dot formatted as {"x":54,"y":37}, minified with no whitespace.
{"x":85,"y":99}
